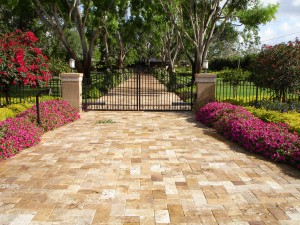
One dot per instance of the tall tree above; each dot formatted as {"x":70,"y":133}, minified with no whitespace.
{"x":197,"y":20}
{"x":83,"y":16}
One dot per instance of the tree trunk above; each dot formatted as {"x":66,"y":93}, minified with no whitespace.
{"x":107,"y":63}
{"x":6,"y":93}
{"x":121,"y":59}
{"x":87,"y":64}
{"x":196,"y":65}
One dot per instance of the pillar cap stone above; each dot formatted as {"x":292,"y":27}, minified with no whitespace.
{"x":205,"y":78}
{"x":71,"y":77}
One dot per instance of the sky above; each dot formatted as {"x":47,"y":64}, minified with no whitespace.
{"x":286,"y":26}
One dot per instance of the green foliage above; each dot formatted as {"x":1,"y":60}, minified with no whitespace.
{"x":6,"y":113}
{"x":58,"y":66}
{"x":278,"y":106}
{"x":93,"y":92}
{"x":12,"y":110}
{"x":252,"y":17}
{"x":277,"y":67}
{"x":218,"y":64}
{"x":290,"y":118}
{"x":240,"y":102}
{"x":167,"y":78}
{"x":106,"y":121}
{"x":233,"y":76}
{"x":17,"y":108}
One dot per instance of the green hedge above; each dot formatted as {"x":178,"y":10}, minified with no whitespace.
{"x":290,"y":118}
{"x":12,"y":110}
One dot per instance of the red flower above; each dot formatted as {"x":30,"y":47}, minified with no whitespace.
{"x":37,"y":51}
{"x":31,"y":36}
{"x":22,"y":60}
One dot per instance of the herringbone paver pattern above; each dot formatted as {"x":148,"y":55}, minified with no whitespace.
{"x":148,"y":168}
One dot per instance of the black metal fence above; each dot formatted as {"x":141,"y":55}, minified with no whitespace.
{"x":18,"y":94}
{"x":247,"y":92}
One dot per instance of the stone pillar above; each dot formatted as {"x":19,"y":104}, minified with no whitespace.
{"x":72,"y":89}
{"x":205,"y":86}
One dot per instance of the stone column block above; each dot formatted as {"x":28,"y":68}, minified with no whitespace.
{"x":72,"y":89}
{"x":205,"y":86}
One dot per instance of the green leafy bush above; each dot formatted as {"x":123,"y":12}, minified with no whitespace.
{"x":6,"y":113}
{"x":277,"y":67}
{"x":93,"y":92}
{"x":290,"y":118}
{"x":278,"y":106}
{"x":17,"y":108}
{"x":218,"y":64}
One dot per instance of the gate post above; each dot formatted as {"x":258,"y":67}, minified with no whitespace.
{"x":205,"y":87}
{"x":72,"y":89}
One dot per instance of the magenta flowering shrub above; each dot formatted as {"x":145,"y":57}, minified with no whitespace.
{"x":213,"y":112}
{"x":23,"y":132}
{"x":272,"y":140}
{"x":17,"y":134}
{"x":53,"y":114}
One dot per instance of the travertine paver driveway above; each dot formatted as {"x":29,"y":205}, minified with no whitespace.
{"x":148,"y":168}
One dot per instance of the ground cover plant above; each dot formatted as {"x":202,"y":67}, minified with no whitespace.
{"x":23,"y":131}
{"x":17,"y":134}
{"x":53,"y":114}
{"x":292,"y":118}
{"x":12,"y":110}
{"x":272,"y":140}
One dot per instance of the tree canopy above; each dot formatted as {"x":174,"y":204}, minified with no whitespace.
{"x":123,"y":32}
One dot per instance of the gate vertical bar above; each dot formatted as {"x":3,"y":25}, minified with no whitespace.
{"x":138,"y":89}
{"x":193,"y":98}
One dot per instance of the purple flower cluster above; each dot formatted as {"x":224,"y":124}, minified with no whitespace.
{"x":272,"y":140}
{"x":17,"y":134}
{"x":23,"y":132}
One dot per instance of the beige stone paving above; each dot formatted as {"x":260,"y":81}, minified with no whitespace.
{"x":148,"y":168}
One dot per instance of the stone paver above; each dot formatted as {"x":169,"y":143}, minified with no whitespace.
{"x":148,"y":168}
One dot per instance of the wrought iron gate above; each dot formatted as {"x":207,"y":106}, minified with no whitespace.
{"x":132,"y":89}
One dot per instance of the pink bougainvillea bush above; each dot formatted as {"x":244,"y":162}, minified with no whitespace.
{"x":271,"y":140}
{"x":23,"y":132}
{"x":53,"y":114}
{"x":21,"y":61}
{"x":17,"y":134}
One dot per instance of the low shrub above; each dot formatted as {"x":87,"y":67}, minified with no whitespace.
{"x":12,"y":110}
{"x":290,"y":118}
{"x":278,"y":106}
{"x":23,"y":132}
{"x":6,"y":113}
{"x":17,"y":108}
{"x":272,"y":140}
{"x":53,"y":114}
{"x":17,"y":134}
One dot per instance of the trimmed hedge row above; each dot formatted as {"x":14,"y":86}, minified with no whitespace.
{"x":272,"y":140}
{"x":23,"y":132}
